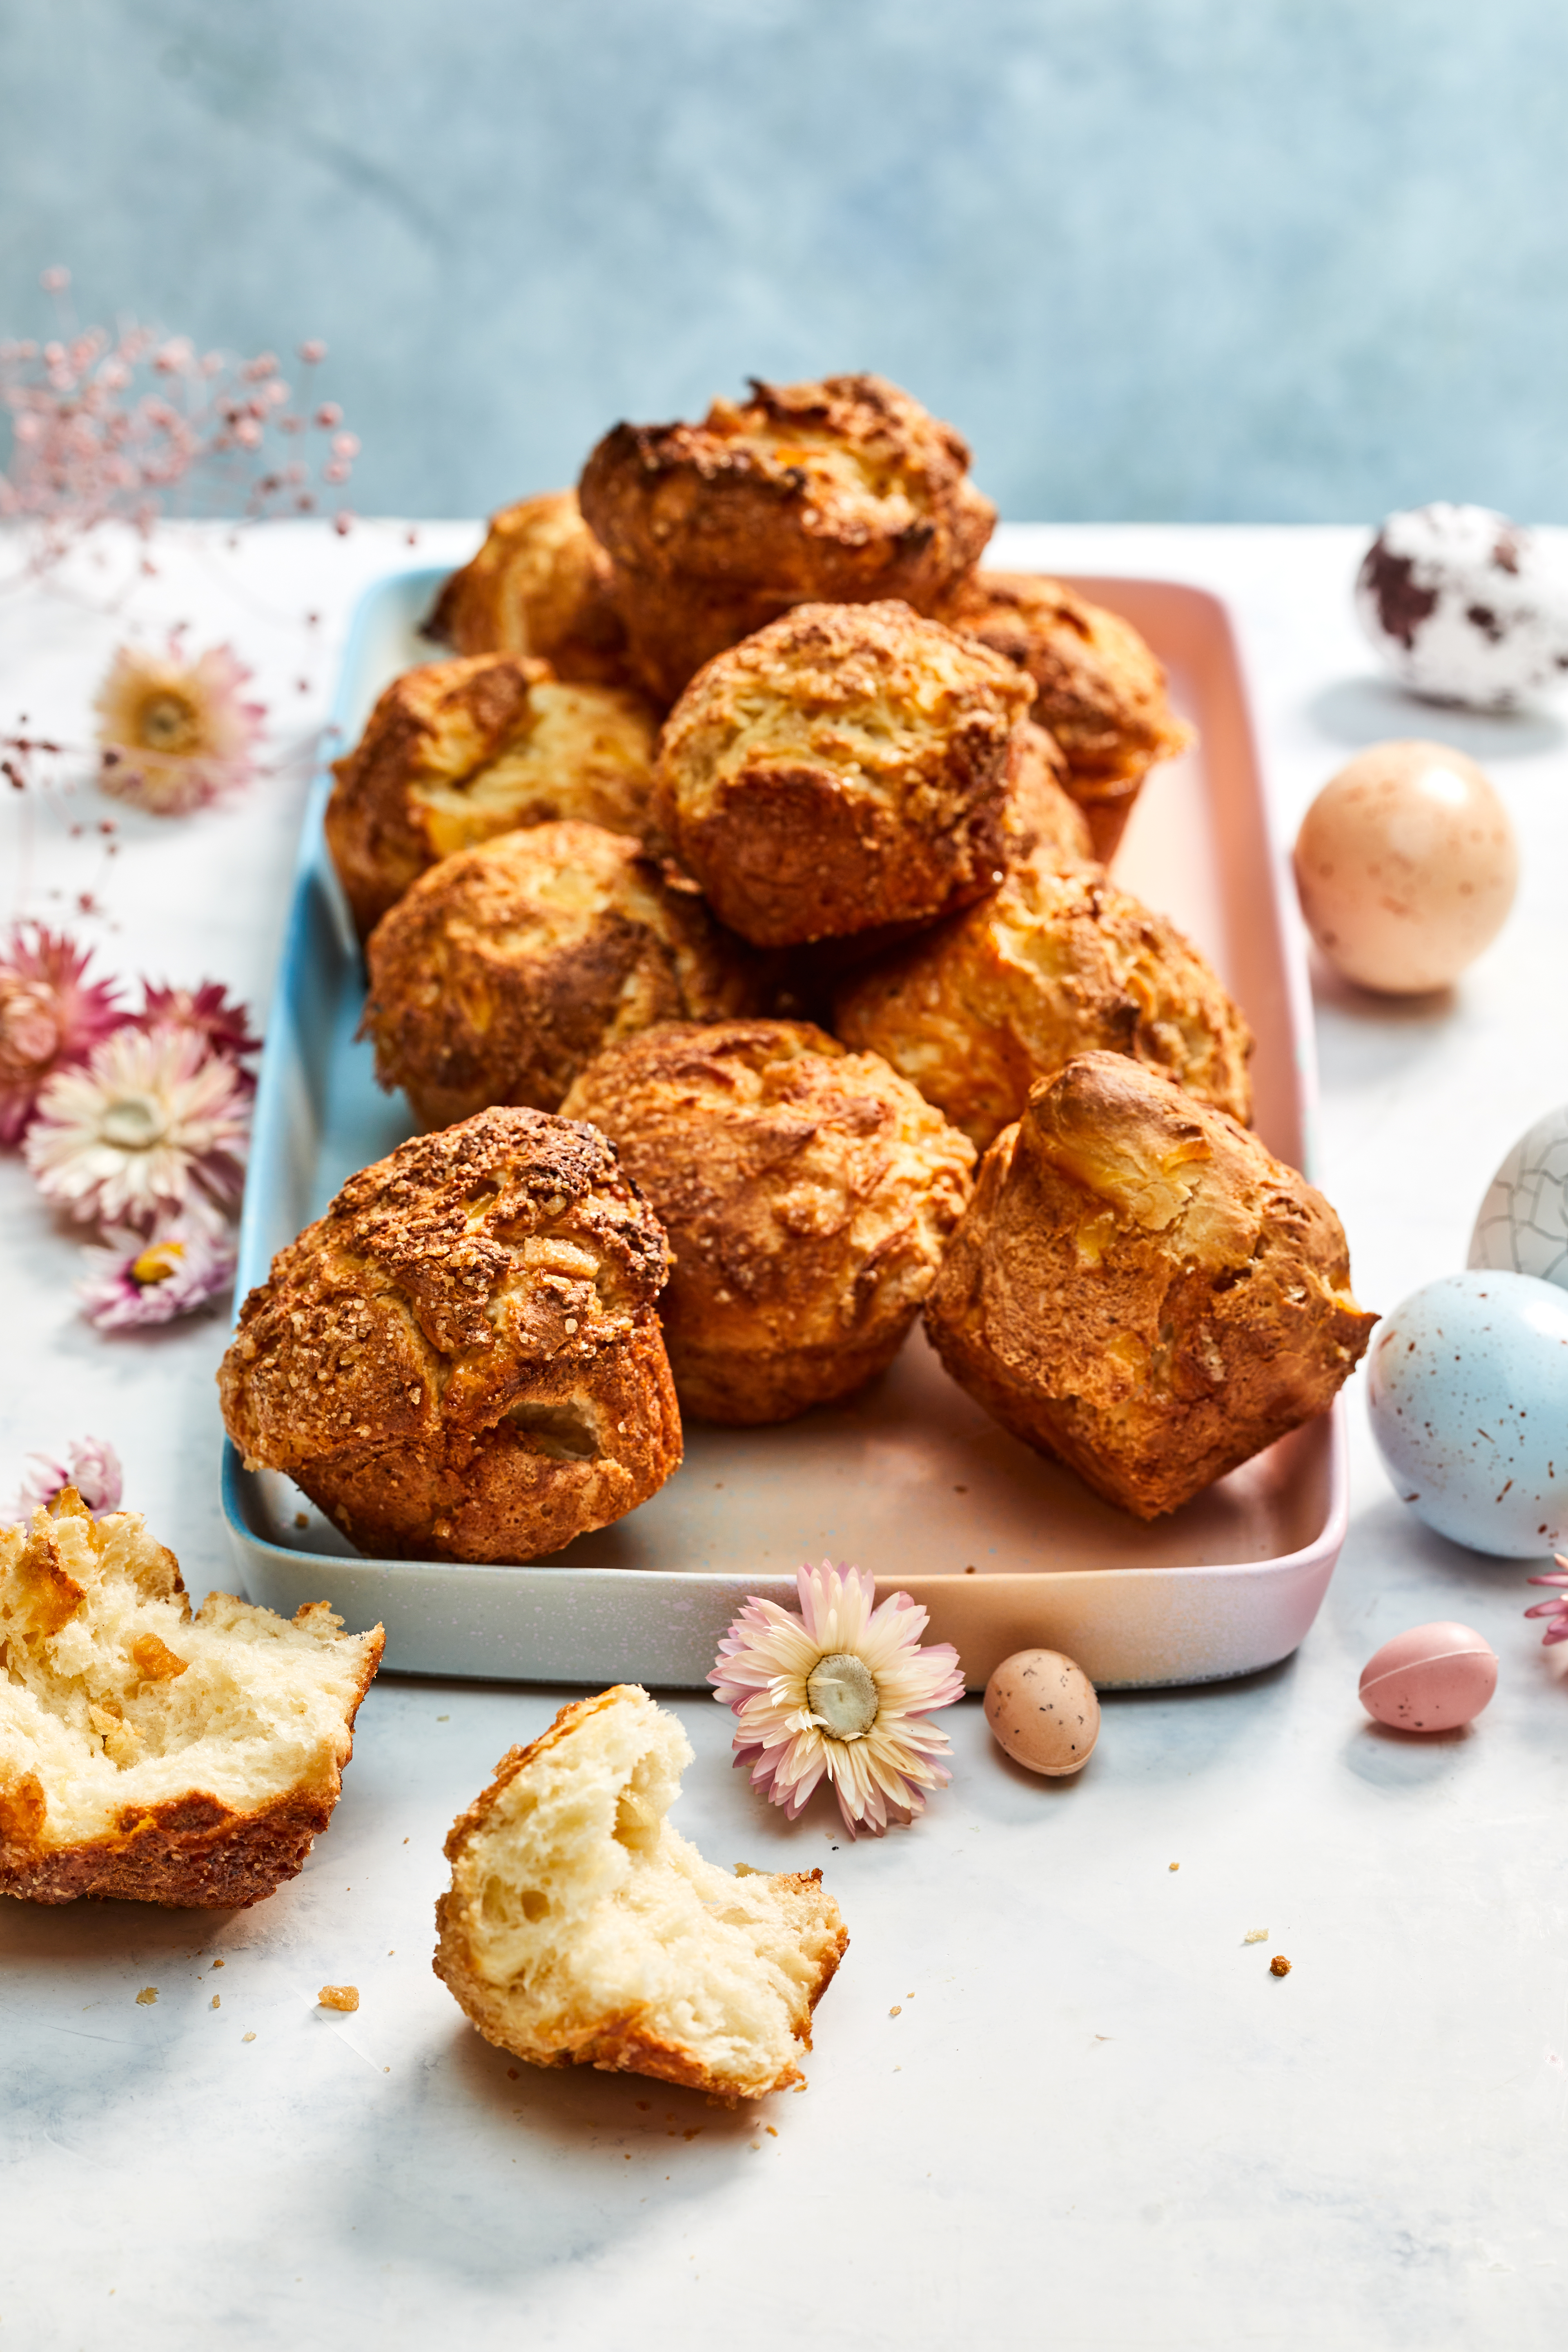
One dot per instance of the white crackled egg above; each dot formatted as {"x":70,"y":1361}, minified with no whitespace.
{"x":1523,"y":1219}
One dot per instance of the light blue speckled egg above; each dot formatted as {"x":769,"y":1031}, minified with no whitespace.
{"x":1523,"y":1219}
{"x":1468,"y":1398}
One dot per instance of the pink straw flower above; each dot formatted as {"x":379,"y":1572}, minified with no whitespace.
{"x":92,"y":1465}
{"x":840,"y":1692}
{"x":1556,"y":1610}
{"x":52,"y":1017}
{"x":175,"y":733}
{"x":207,"y":1013}
{"x":153,"y":1123}
{"x":140,"y":1278}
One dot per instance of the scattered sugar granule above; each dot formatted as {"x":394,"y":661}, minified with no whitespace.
{"x":339,"y":1997}
{"x":1256,"y":1935}
{"x":147,"y":1996}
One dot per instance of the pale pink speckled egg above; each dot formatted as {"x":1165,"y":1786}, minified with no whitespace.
{"x":1406,"y":865}
{"x":1433,"y":1679}
{"x":1042,"y":1708}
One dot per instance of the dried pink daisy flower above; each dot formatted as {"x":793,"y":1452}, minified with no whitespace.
{"x":840,"y":1691}
{"x":52,"y":1017}
{"x":92,"y":1465}
{"x":153,"y":1123}
{"x":1556,"y":1610}
{"x":208,"y":1013}
{"x":174,"y":733}
{"x":140,"y":1279}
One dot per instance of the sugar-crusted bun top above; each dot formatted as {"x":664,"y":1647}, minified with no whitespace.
{"x":437,"y":1285}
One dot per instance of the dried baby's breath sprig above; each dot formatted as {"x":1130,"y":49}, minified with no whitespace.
{"x":109,"y":423}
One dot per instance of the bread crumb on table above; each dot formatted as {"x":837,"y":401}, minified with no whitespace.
{"x":215,"y":2002}
{"x":1256,"y":1935}
{"x":339,"y":1997}
{"x":1279,"y":1966}
{"x":147,"y":1996}
{"x":248,"y":2037}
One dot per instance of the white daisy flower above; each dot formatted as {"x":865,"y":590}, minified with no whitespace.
{"x":840,"y":1692}
{"x":152,"y":1123}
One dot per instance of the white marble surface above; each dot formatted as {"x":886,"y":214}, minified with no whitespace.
{"x":1098,"y":2121}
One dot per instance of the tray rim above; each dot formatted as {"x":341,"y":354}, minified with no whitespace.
{"x":313,"y":871}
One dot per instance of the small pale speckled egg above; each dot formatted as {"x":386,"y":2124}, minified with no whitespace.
{"x":1431,"y":1679}
{"x":1043,"y":1710}
{"x":1406,"y":866}
{"x":1522,"y":1223}
{"x":1467,"y":1393}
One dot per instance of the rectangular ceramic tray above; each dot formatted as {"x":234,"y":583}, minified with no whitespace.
{"x":911,"y":1479}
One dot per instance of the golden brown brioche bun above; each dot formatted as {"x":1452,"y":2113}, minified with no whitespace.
{"x":1097,"y":687}
{"x":539,"y":585}
{"x":843,"y":491}
{"x":505,"y":968}
{"x":847,"y":767}
{"x":458,"y":751}
{"x":1050,"y":966}
{"x":462,"y":1359}
{"x":1141,"y":1288}
{"x":808,"y":1194}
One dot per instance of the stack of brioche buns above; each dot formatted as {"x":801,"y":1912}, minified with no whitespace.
{"x":737,"y":880}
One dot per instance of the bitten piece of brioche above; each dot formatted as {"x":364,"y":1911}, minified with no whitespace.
{"x":581,"y":1930}
{"x":148,"y":1753}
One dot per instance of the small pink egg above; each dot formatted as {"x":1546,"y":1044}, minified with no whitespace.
{"x":1044,"y":1711}
{"x":1431,"y":1679}
{"x":1406,"y":865}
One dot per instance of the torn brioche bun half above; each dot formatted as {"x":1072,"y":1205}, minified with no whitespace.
{"x":149,"y":1752}
{"x":581,"y":1929}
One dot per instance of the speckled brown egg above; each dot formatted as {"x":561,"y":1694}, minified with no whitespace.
{"x":1406,"y":865}
{"x":1043,"y":1711}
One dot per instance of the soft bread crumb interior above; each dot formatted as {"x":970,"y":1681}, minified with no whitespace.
{"x":115,"y":1696}
{"x":583,"y":1911}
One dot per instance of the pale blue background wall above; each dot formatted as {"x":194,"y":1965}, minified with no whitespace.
{"x":1194,"y":259}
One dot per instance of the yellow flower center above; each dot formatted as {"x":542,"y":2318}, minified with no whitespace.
{"x":135,"y":1122}
{"x":168,"y":722}
{"x":157,"y":1264}
{"x":842,"y":1694}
